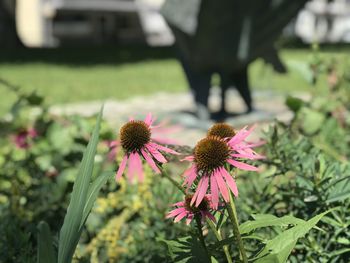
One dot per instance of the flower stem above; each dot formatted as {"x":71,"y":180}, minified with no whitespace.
{"x":219,"y":238}
{"x":234,"y":220}
{"x":200,"y":233}
{"x":176,"y":184}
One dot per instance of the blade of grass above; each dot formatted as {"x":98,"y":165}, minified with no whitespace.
{"x":46,"y":252}
{"x":93,"y":191}
{"x":70,"y":231}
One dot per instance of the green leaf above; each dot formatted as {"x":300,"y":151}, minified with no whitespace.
{"x":302,"y":68}
{"x":310,"y":120}
{"x":93,"y":191}
{"x":279,"y":248}
{"x":46,"y":251}
{"x":71,"y":229}
{"x":213,"y":260}
{"x":294,"y":103}
{"x":266,"y":220}
{"x":339,"y":190}
{"x":186,"y":249}
{"x":221,"y":243}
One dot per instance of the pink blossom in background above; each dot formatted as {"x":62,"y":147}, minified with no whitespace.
{"x":22,"y":139}
{"x":139,"y":145}
{"x":186,"y":210}
{"x":210,"y":161}
{"x":114,"y":147}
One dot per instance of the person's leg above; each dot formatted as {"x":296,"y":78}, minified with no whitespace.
{"x":240,"y":78}
{"x":224,"y":84}
{"x":199,"y":83}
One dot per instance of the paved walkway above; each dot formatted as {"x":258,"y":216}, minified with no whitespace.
{"x":269,"y":106}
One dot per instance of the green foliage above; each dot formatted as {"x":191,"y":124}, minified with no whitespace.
{"x":37,"y":173}
{"x":46,"y":252}
{"x":186,"y":249}
{"x":81,"y":200}
{"x":306,"y":173}
{"x":262,"y":220}
{"x":279,"y":248}
{"x":305,"y":181}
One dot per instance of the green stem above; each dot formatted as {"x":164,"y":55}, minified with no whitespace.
{"x":233,"y":217}
{"x":200,"y":232}
{"x":219,"y":238}
{"x":179,"y":186}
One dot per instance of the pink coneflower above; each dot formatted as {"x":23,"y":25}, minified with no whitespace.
{"x":22,"y":138}
{"x":135,"y":139}
{"x":186,"y":210}
{"x":159,"y":131}
{"x":212,"y":157}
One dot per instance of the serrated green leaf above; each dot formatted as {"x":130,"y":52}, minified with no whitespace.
{"x":71,"y":230}
{"x":46,"y":252}
{"x":339,"y":190}
{"x":186,"y":249}
{"x":279,"y":248}
{"x":266,"y":220}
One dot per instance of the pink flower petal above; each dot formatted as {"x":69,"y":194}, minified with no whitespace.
{"x":150,"y":161}
{"x":157,"y":155}
{"x":230,"y":181}
{"x":162,"y":148}
{"x":112,"y":155}
{"x":191,"y":175}
{"x":114,"y":143}
{"x":241,"y":135}
{"x":189,"y":219}
{"x":253,"y":145}
{"x":242,"y":166}
{"x":188,"y":158}
{"x":222,"y":185}
{"x":179,"y":204}
{"x":209,"y":215}
{"x":238,"y":137}
{"x":246,"y":155}
{"x":121,"y":168}
{"x":176,"y":212}
{"x":148,"y":119}
{"x":132,"y":167}
{"x":180,"y":216}
{"x":214,"y":192}
{"x":203,"y":190}
{"x":138,"y":167}
{"x":194,"y":197}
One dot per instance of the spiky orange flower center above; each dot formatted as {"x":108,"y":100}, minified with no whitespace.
{"x":222,"y":130}
{"x":134,"y":135}
{"x":211,"y":153}
{"x":203,"y":206}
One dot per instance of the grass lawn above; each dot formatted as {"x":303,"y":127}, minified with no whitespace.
{"x":70,"y":75}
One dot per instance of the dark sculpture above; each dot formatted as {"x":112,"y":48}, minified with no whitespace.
{"x":224,"y":37}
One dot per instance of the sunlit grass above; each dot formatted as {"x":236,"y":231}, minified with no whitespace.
{"x":72,"y":75}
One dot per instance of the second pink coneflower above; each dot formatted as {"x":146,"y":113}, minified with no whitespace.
{"x":212,"y":157}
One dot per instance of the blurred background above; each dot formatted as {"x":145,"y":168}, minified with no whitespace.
{"x":88,"y":50}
